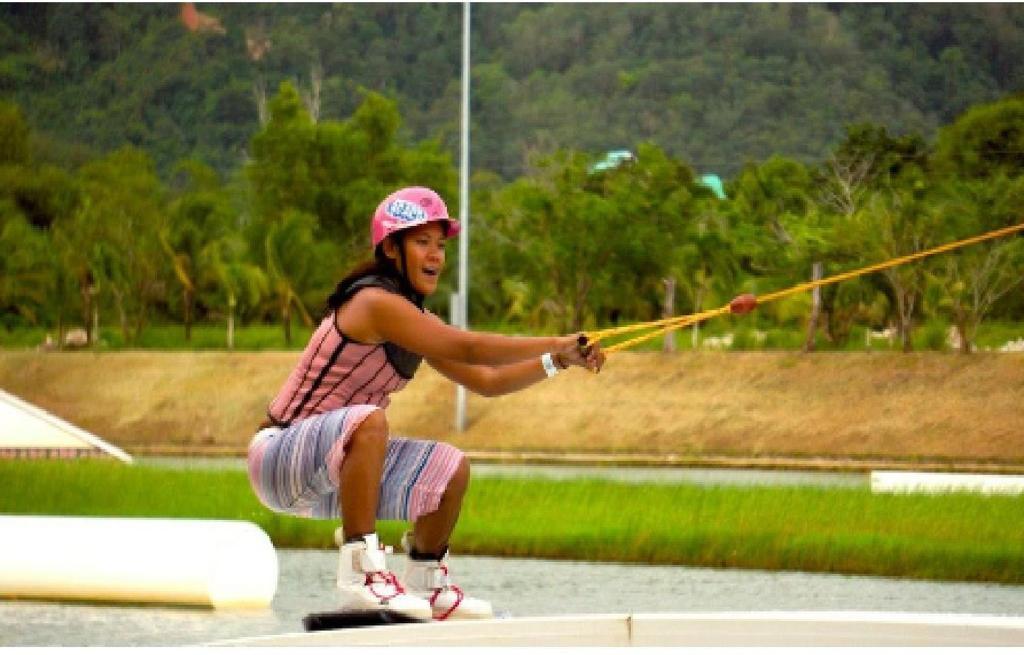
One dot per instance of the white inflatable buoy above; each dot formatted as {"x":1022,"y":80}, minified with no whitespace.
{"x":222,"y":564}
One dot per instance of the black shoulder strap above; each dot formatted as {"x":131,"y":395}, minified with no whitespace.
{"x":402,"y":360}
{"x":382,"y":282}
{"x":369,"y":281}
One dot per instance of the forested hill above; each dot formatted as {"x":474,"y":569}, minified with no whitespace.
{"x":714,"y":85}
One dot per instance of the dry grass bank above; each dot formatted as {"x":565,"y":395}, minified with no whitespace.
{"x":926,"y":407}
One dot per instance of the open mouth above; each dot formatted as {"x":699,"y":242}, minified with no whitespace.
{"x":430,"y":272}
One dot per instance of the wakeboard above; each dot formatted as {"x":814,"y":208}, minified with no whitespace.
{"x":339,"y":619}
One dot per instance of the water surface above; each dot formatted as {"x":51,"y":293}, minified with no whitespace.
{"x":517,"y":587}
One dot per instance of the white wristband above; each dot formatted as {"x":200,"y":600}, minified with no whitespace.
{"x":549,"y":365}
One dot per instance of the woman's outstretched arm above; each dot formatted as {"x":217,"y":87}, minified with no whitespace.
{"x":499,"y":380}
{"x":506,"y":378}
{"x":374,"y":315}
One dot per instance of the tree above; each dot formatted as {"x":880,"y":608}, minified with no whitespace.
{"x":556,"y":229}
{"x":33,"y":196}
{"x":14,"y":135}
{"x":320,"y":183}
{"x":26,"y":279}
{"x":359,"y":161}
{"x":771,"y":196}
{"x":986,"y":141}
{"x":716,"y":84}
{"x":116,"y":235}
{"x":772,"y":208}
{"x":228,"y":279}
{"x":75,"y":238}
{"x":898,"y":221}
{"x":295,"y":266}
{"x":706,"y":257}
{"x":979,"y":161}
{"x":198,"y":217}
{"x":868,"y":161}
{"x":282,"y":169}
{"x":658,"y":206}
{"x":971,"y":281}
{"x":23,"y":275}
{"x":574,"y":239}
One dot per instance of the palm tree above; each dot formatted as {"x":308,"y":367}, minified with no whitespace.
{"x":230,"y":277}
{"x":293,"y":267}
{"x":198,"y":217}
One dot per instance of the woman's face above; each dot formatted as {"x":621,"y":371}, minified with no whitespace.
{"x":424,"y":256}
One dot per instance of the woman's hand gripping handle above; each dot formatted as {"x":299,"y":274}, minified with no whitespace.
{"x":575,"y":350}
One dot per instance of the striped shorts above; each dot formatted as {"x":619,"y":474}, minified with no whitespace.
{"x":295,"y":470}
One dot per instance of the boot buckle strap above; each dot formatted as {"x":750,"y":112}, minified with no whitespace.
{"x":440,"y":578}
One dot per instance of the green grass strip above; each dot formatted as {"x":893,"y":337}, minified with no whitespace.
{"x":944,"y":537}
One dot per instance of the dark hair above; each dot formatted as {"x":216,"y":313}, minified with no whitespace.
{"x":380,"y":265}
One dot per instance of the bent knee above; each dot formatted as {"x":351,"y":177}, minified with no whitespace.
{"x":460,"y":479}
{"x":372,"y":431}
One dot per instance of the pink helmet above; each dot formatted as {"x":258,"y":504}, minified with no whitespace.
{"x":407,"y":208}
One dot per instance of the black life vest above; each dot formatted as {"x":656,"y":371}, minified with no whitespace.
{"x":404,"y":361}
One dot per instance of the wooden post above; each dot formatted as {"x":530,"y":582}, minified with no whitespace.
{"x":817,"y":270}
{"x":668,"y":310}
{"x":231,"y":321}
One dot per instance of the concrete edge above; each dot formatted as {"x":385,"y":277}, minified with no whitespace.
{"x":832,"y":628}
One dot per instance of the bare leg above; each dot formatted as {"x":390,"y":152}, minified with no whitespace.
{"x":433,"y":530}
{"x":360,"y":475}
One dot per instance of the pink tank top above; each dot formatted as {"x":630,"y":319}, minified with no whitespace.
{"x":336,"y":372}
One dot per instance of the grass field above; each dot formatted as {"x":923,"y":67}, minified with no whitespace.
{"x":945,"y":537}
{"x":747,"y":336}
{"x":172,"y":337}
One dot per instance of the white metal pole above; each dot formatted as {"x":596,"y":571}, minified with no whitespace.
{"x":463,"y":313}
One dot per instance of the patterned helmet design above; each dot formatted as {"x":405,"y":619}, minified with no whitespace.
{"x":407,"y":208}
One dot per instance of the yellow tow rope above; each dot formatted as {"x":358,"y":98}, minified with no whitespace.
{"x":664,"y":325}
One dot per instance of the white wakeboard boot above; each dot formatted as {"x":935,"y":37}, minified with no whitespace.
{"x":428,"y":579}
{"x":365,"y":583}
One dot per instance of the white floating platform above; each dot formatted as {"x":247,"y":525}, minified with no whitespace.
{"x":685,"y":629}
{"x":917,"y":482}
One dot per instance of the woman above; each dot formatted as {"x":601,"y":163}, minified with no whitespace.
{"x":325,"y":450}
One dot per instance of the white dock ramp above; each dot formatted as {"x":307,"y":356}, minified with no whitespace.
{"x":32,"y":432}
{"x":679,"y":629}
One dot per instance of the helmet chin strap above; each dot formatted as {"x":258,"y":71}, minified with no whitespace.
{"x":403,"y":271}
